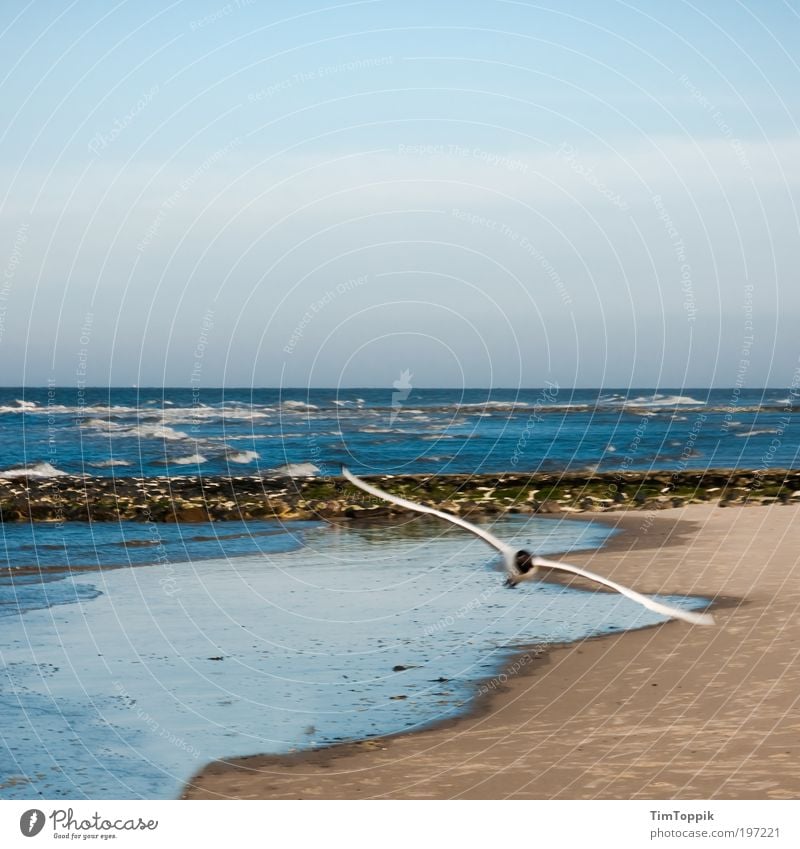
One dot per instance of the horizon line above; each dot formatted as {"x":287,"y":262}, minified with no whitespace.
{"x":164,"y":387}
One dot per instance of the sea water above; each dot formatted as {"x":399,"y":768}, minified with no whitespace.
{"x":123,"y":682}
{"x":152,"y":432}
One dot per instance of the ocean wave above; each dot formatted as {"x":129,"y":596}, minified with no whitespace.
{"x":33,"y":407}
{"x":649,"y":405}
{"x":569,"y":399}
{"x":249,"y":437}
{"x":155,"y":430}
{"x":509,"y":406}
{"x":39,"y":470}
{"x":297,"y":470}
{"x":483,"y":408}
{"x":242,"y":456}
{"x":299,"y":405}
{"x":108,"y":464}
{"x":190,"y":460}
{"x":188,"y":415}
{"x":347,"y":410}
{"x":662,"y":401}
{"x":98,"y":424}
{"x":757,"y":432}
{"x":232,"y":410}
{"x":499,"y":405}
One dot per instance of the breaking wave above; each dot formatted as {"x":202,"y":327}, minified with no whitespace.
{"x":299,"y":405}
{"x":39,"y":470}
{"x":298,"y":470}
{"x":662,"y":401}
{"x":242,"y":456}
{"x":109,"y":464}
{"x":190,"y":460}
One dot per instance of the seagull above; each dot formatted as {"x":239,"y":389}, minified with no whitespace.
{"x":521,"y":565}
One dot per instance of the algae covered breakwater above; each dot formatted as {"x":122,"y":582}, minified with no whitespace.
{"x":219,"y":498}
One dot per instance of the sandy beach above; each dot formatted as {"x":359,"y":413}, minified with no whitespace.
{"x":668,"y":712}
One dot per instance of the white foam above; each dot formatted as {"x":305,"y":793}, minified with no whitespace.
{"x":32,"y":407}
{"x":757,"y":432}
{"x":191,"y":460}
{"x":496,"y":405}
{"x":185,"y":415}
{"x":143,"y":431}
{"x":299,"y":405}
{"x":243,"y":456}
{"x":168,"y":413}
{"x":107,"y":464}
{"x":155,"y":431}
{"x":40,"y":470}
{"x":664,"y":401}
{"x":298,"y":470}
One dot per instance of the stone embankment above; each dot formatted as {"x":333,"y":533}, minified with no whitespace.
{"x":202,"y":499}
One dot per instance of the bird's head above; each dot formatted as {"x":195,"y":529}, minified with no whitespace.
{"x":523,"y":560}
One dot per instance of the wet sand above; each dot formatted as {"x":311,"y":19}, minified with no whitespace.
{"x":669,"y":712}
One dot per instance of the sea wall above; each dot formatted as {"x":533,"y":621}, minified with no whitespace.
{"x":201,"y":499}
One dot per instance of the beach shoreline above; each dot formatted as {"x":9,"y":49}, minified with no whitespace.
{"x":585,"y":720}
{"x":204,"y":658}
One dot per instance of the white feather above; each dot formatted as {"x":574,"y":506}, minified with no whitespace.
{"x":646,"y":601}
{"x":421,"y":508}
{"x":509,"y":555}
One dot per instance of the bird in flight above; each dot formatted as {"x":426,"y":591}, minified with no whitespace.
{"x":521,"y":565}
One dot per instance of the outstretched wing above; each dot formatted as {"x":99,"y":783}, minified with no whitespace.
{"x":508,"y":554}
{"x":506,"y":550}
{"x":646,"y":601}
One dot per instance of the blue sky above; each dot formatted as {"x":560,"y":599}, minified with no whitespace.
{"x":485,"y":193}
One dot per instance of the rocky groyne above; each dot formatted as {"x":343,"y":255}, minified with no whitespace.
{"x":202,"y":499}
